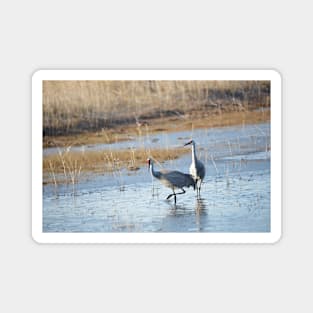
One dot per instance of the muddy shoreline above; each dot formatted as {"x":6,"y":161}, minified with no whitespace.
{"x":192,"y":121}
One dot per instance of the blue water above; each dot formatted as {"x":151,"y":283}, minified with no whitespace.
{"x":235,"y":196}
{"x":218,"y":140}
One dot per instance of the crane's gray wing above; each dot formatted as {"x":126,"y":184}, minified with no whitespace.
{"x":178,"y":179}
{"x":200,"y":169}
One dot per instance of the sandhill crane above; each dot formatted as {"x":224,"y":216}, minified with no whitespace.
{"x":172,"y":179}
{"x":197,"y":169}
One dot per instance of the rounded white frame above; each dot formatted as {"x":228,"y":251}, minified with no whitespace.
{"x":157,"y":74}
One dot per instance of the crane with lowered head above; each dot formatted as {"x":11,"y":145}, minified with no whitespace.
{"x":172,"y":179}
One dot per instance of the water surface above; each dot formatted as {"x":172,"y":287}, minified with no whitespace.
{"x":235,"y":196}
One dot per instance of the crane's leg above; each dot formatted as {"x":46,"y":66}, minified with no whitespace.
{"x":200,"y":187}
{"x":172,"y":194}
{"x":197,"y":186}
{"x":180,"y":193}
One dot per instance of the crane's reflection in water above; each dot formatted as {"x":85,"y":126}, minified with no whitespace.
{"x":193,"y":218}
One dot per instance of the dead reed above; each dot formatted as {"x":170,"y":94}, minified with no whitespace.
{"x":68,"y":166}
{"x":72,"y":107}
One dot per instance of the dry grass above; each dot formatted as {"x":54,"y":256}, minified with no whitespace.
{"x":69,"y":165}
{"x":88,"y":138}
{"x":73,"y":107}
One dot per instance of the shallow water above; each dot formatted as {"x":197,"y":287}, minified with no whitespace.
{"x":219,"y":139}
{"x":235,"y":196}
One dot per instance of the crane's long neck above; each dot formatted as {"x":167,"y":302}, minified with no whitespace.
{"x":193,"y":153}
{"x":153,"y":172}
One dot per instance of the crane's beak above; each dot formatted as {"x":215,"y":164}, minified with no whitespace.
{"x":188,"y":143}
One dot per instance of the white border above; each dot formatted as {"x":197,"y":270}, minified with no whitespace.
{"x":156,"y":74}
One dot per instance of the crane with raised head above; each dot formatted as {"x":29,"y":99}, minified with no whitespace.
{"x":197,"y":169}
{"x":172,"y":179}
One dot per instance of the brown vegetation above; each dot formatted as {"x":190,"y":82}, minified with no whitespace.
{"x":74,"y":107}
{"x":69,"y":165}
{"x":169,"y":124}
